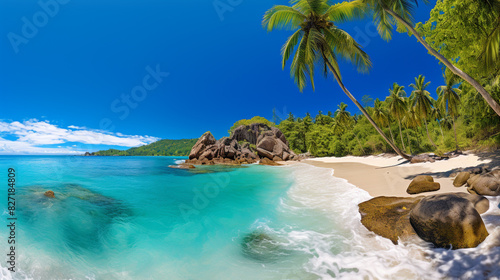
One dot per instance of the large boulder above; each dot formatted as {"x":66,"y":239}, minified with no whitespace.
{"x":461,"y":179}
{"x":448,"y":220}
{"x":485,"y":184}
{"x":247,"y":144}
{"x":389,"y":216}
{"x":423,"y":183}
{"x":206,"y":140}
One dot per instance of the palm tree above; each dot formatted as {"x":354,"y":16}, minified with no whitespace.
{"x":397,"y":106}
{"x":437,"y":115}
{"x":410,"y":119}
{"x":381,"y":117}
{"x":422,"y":101}
{"x":344,"y":122}
{"x":318,"y":41}
{"x":400,"y":12}
{"x":449,"y":99}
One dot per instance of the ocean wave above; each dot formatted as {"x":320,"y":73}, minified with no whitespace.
{"x":179,"y":161}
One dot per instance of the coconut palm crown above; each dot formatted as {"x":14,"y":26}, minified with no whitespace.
{"x":316,"y":38}
{"x":318,"y":41}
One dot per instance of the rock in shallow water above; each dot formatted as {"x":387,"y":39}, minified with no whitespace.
{"x":388,"y":216}
{"x":448,"y":220}
{"x":261,"y":247}
{"x":49,"y":194}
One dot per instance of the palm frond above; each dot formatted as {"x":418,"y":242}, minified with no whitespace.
{"x":343,"y":44}
{"x":281,"y":17}
{"x":346,"y":11}
{"x":289,"y":46}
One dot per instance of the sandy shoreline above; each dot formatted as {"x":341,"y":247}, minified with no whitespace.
{"x":391,"y":175}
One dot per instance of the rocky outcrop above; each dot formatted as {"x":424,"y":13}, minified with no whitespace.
{"x":389,"y":216}
{"x":247,"y":144}
{"x":485,"y":184}
{"x":49,"y":194}
{"x":423,"y":183}
{"x":448,"y":220}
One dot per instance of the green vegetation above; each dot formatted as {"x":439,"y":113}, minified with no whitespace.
{"x":255,"y":119}
{"x":464,"y":35}
{"x":159,"y":148}
{"x":421,"y":123}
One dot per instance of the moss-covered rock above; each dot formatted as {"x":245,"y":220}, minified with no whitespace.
{"x":388,"y":216}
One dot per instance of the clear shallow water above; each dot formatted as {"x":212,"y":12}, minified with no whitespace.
{"x":135,"y":218}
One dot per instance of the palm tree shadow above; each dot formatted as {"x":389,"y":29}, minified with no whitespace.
{"x":494,"y":161}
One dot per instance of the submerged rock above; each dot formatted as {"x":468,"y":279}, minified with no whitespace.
{"x":448,"y":220}
{"x":182,"y":166}
{"x":49,"y":194}
{"x":80,"y":217}
{"x":423,"y":183}
{"x":260,"y":246}
{"x":389,"y":217}
{"x":461,"y":179}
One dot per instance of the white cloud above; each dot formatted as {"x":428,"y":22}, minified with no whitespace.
{"x":33,"y":134}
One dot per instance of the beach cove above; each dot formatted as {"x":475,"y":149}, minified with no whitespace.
{"x":284,"y":222}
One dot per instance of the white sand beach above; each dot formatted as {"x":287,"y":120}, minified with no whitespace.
{"x":386,"y":175}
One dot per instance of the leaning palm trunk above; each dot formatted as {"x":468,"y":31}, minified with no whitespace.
{"x":401,"y":134}
{"x":372,"y":122}
{"x":455,"y":131}
{"x":493,"y":104}
{"x":428,"y":135}
{"x":441,"y":129}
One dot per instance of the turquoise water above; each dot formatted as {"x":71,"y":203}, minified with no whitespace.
{"x":136,"y":218}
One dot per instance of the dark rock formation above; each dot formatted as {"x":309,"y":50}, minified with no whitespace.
{"x":448,"y":220}
{"x":389,"y":217}
{"x":423,"y":183}
{"x":247,"y":144}
{"x":461,"y":179}
{"x":49,"y":194}
{"x":485,"y":184}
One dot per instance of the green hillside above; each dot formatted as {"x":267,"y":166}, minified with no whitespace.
{"x":165,"y":147}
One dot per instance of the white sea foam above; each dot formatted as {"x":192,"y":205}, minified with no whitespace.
{"x":367,"y":256}
{"x":180,"y":161}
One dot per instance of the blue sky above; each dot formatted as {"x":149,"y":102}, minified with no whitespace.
{"x":71,"y":68}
